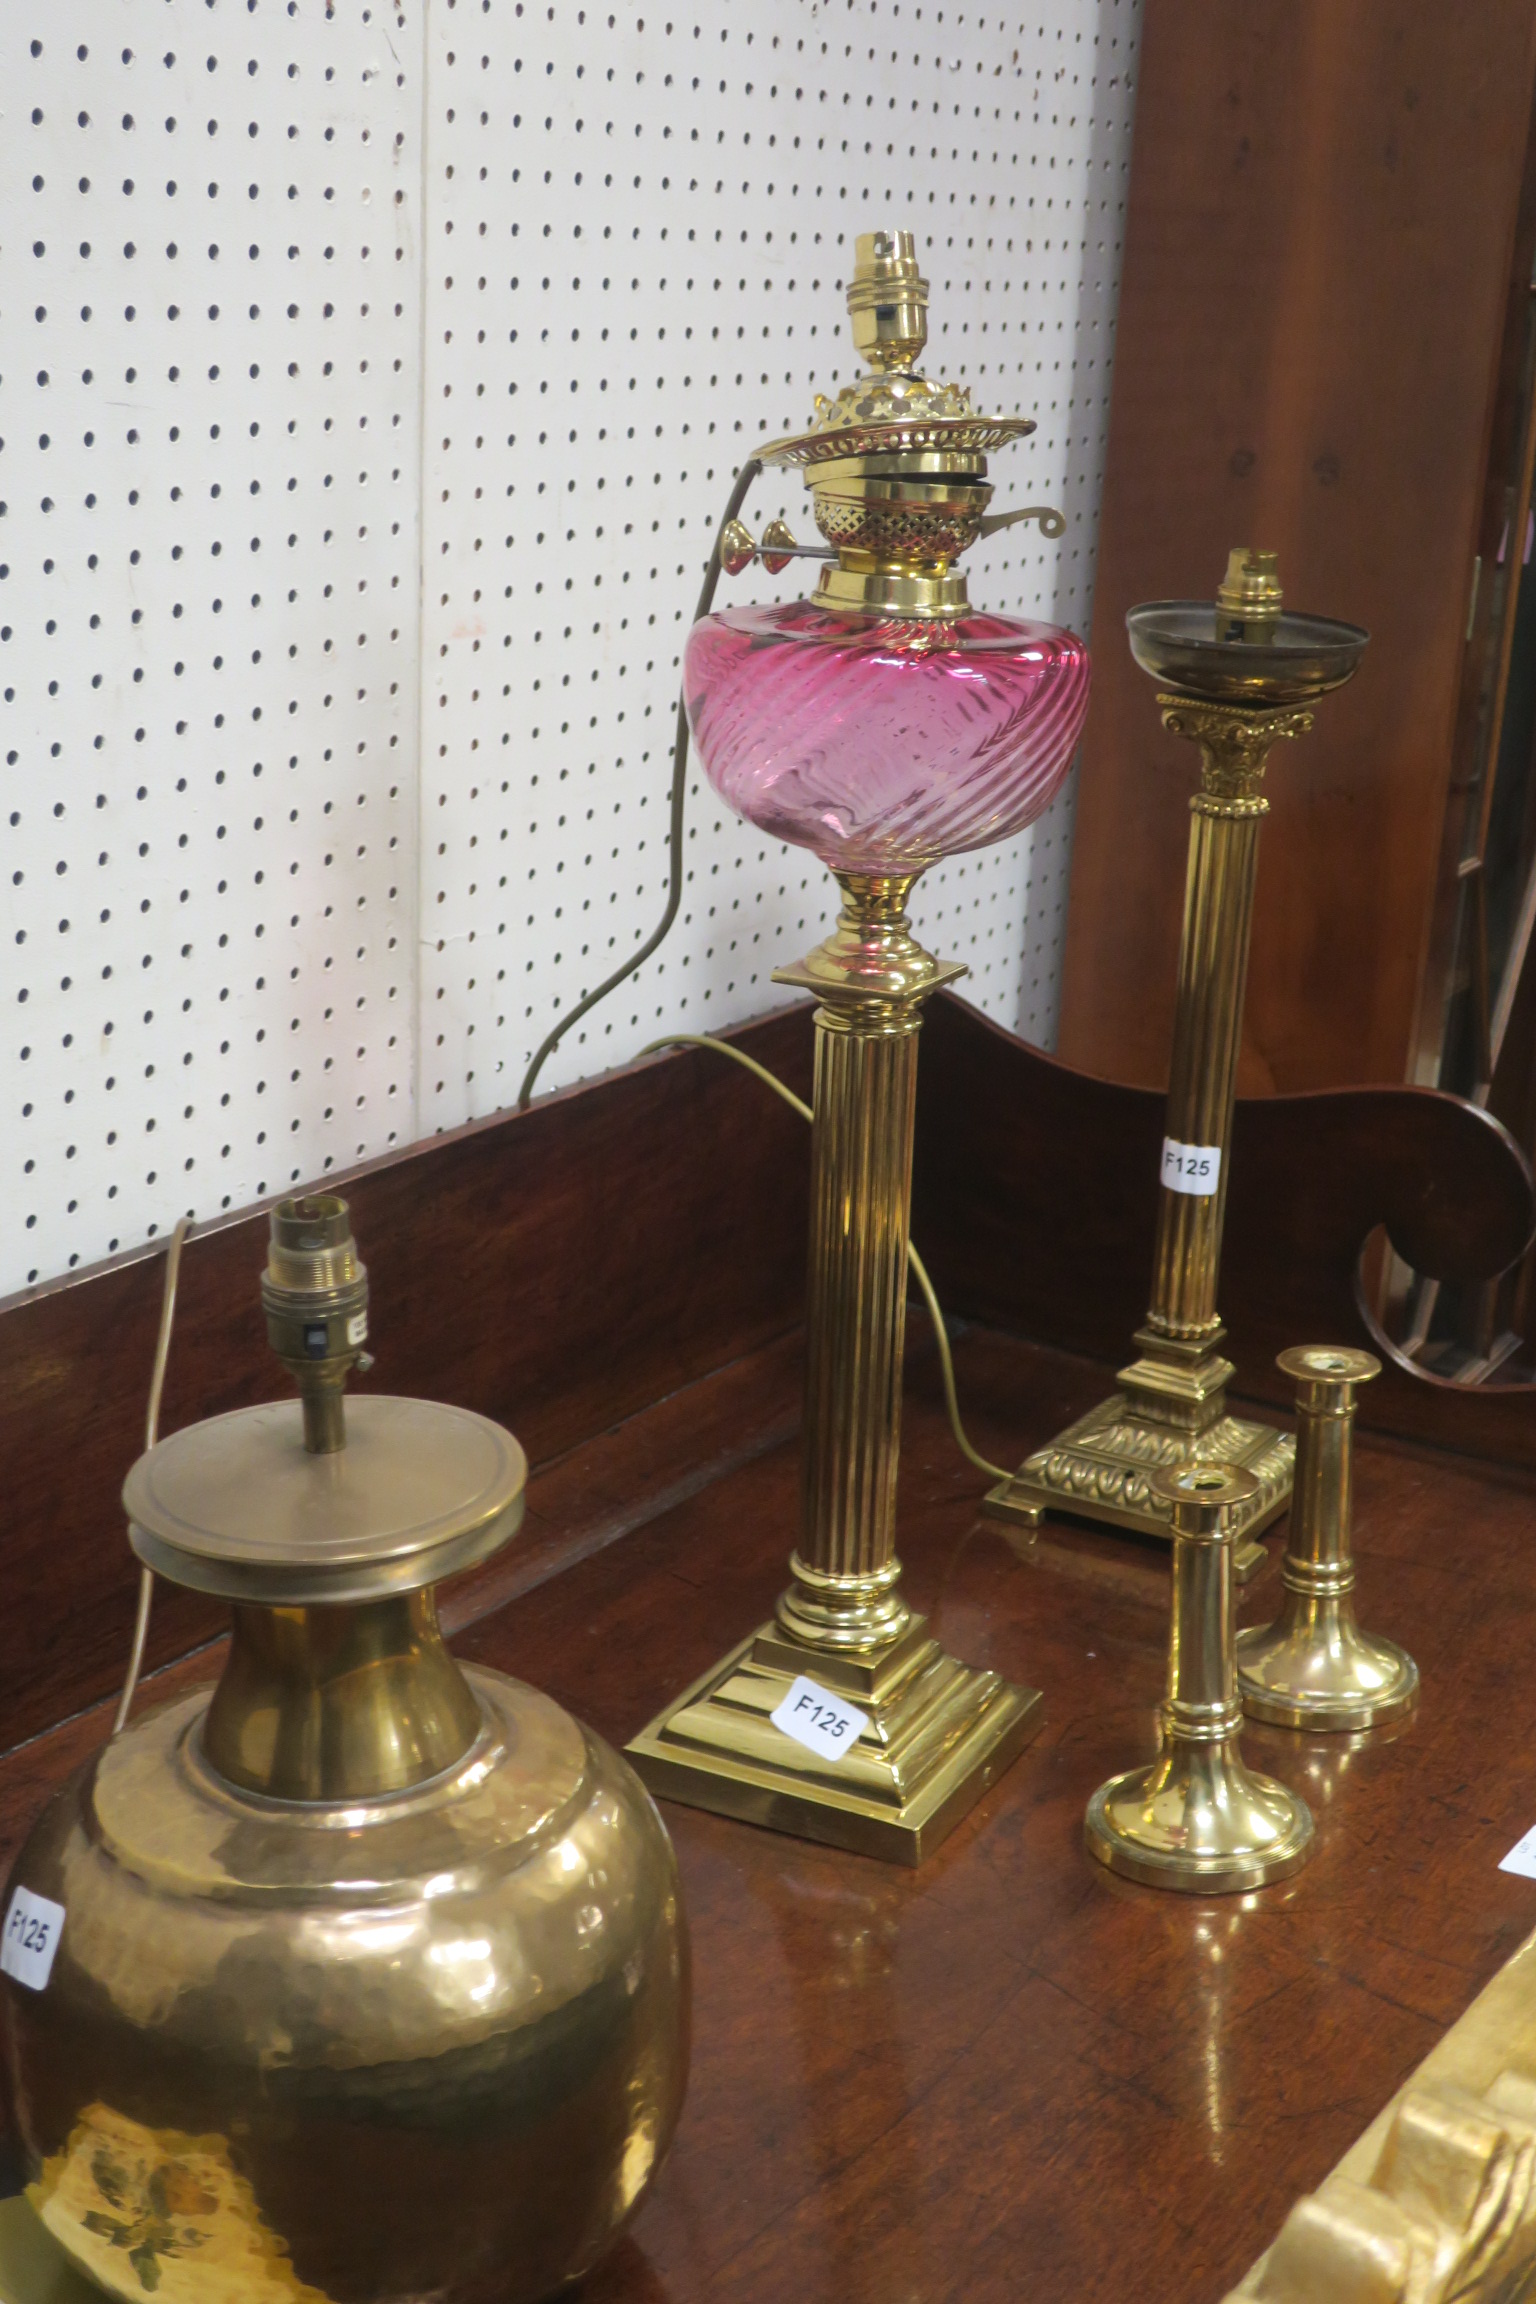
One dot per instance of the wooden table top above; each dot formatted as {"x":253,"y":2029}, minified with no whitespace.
{"x":1008,"y":2075}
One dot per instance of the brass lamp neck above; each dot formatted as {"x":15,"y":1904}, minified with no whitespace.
{"x":339,"y":1703}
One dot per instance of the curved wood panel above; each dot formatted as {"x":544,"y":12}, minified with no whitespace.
{"x":1037,"y":1191}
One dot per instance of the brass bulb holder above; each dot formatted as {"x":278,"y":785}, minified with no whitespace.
{"x":936,"y":1732}
{"x":1199,"y":1819}
{"x":895,"y":462}
{"x":1240,"y":678}
{"x":1313,"y":1667}
{"x":370,"y":1972}
{"x":314,"y":1292}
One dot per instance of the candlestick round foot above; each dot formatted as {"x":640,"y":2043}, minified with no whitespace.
{"x":1199,"y":1822}
{"x":1327,"y":1678}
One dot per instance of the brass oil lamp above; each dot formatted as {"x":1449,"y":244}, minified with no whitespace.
{"x":882,"y":723}
{"x":364,"y":1976}
{"x":1236,"y":676}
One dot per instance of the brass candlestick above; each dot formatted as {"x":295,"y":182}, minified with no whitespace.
{"x":1314,"y":1667}
{"x":1198,"y":1819}
{"x":1237,"y":680}
{"x":938,"y":1732}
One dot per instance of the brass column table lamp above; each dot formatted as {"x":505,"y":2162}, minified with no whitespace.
{"x":364,"y":1976}
{"x":1314,"y":1667}
{"x":1236,"y":678}
{"x":1198,"y":1818}
{"x":883,"y":723}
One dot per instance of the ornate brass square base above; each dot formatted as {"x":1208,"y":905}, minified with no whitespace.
{"x":939,"y":1734}
{"x":1100,"y":1469}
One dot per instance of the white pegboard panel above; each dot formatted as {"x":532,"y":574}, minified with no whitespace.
{"x":210,"y":291}
{"x":638,"y":226}
{"x":369,"y":387}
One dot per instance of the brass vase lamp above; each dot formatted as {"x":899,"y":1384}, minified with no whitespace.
{"x":882,"y":723}
{"x":1314,"y":1667}
{"x":1235,"y":678}
{"x":366,"y":1976}
{"x":1198,"y":1818}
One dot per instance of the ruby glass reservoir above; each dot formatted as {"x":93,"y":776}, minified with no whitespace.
{"x":883,"y":744}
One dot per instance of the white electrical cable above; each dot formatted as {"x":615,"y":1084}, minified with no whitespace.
{"x":151,"y":1434}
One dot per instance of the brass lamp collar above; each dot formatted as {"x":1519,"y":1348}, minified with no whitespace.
{"x":896,"y":463}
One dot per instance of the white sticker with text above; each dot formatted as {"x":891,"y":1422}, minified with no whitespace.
{"x":357,"y":1328}
{"x":1194,"y":1168}
{"x":820,"y":1721}
{"x":33,"y":1927}
{"x":1522,"y":1857}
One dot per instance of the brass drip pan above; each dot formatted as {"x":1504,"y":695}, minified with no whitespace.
{"x":1176,"y":641}
{"x":236,"y":1506}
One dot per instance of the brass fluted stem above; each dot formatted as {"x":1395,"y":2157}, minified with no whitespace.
{"x":1213,"y":973}
{"x":1225,"y":814}
{"x":871,"y":977}
{"x":855,"y":1305}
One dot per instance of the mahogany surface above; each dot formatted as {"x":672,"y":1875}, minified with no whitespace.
{"x":1006,"y":2076}
{"x":1319,"y":244}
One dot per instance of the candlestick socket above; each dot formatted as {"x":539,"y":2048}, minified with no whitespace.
{"x":1248,"y":598}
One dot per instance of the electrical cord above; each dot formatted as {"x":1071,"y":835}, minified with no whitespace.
{"x":919,"y":1269}
{"x":151,"y":1434}
{"x":738,"y":496}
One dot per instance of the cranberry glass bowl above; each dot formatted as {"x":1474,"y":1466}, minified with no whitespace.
{"x":882,"y":745}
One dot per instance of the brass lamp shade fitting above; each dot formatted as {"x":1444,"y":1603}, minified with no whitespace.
{"x":882,"y":723}
{"x":1236,"y":679}
{"x":1314,"y":1667}
{"x":1198,"y":1818}
{"x":368,"y":1974}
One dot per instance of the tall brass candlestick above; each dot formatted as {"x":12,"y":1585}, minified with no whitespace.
{"x":1237,"y":679}
{"x":936,"y":1732}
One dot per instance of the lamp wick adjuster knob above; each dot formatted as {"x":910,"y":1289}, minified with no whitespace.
{"x":739,"y":548}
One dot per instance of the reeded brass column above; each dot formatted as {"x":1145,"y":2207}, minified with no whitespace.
{"x":1198,"y":1818}
{"x":1239,"y":676}
{"x":935,"y":1732}
{"x":871,"y":978}
{"x":1314,"y":1667}
{"x":1181,"y":1376}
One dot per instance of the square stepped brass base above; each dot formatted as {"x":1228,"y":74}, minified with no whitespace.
{"x":1099,"y":1470}
{"x":939,"y":1734}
